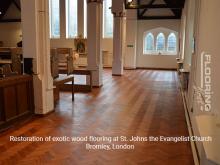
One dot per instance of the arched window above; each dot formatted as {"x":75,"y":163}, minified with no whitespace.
{"x":149,"y":42}
{"x":160,"y":44}
{"x":171,"y":43}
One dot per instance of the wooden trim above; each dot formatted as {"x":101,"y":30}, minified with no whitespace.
{"x":149,"y":68}
{"x":14,"y":80}
{"x":15,"y":121}
{"x":130,"y":68}
{"x":157,"y":17}
{"x":108,"y":67}
{"x":157,"y":6}
{"x":46,"y":114}
{"x":9,"y":20}
{"x":117,"y":74}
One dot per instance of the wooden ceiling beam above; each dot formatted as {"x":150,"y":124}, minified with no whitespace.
{"x":157,"y":17}
{"x":4,"y":7}
{"x":156,"y":6}
{"x":144,"y":11}
{"x":17,"y":6}
{"x":9,"y":20}
{"x":175,"y":6}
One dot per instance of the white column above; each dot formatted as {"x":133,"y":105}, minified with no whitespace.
{"x":131,"y":39}
{"x":36,"y":45}
{"x":94,"y":29}
{"x":118,"y":36}
{"x":189,"y":32}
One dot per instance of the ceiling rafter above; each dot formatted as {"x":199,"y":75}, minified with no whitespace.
{"x":144,"y":11}
{"x":17,"y":5}
{"x":9,"y":20}
{"x":142,"y":7}
{"x":156,"y":6}
{"x":4,"y":6}
{"x":176,"y":12}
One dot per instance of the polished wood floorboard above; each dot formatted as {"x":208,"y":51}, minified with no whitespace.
{"x":142,"y":102}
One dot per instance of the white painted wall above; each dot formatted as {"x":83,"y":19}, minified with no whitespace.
{"x":207,"y":34}
{"x":155,"y":61}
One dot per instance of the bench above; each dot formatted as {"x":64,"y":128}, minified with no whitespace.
{"x":87,"y":73}
{"x":60,"y":81}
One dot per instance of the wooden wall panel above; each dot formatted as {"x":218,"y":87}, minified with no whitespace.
{"x":16,"y":99}
{"x":10,"y":106}
{"x":2,"y":115}
{"x":22,"y":98}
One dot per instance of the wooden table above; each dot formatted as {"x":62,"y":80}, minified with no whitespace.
{"x":60,"y":81}
{"x":87,"y":73}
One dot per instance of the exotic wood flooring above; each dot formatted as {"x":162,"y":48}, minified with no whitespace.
{"x":142,"y":102}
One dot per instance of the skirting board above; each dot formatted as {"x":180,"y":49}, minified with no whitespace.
{"x":150,"y":68}
{"x":130,"y":68}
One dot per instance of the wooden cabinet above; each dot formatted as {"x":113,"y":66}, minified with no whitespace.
{"x":16,"y":98}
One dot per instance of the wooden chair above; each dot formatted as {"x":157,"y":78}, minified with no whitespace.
{"x":65,"y":58}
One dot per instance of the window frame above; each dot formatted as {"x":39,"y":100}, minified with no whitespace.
{"x":146,"y":43}
{"x":67,"y":8}
{"x":171,"y":35}
{"x":164,"y":43}
{"x":51,"y":13}
{"x":105,"y":8}
{"x":155,"y":32}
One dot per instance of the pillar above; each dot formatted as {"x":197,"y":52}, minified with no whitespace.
{"x":94,"y":41}
{"x":190,"y":20}
{"x":131,"y":40}
{"x":36,"y":45}
{"x":118,"y":36}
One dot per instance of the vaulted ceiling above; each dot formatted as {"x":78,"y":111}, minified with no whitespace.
{"x":10,"y":11}
{"x":157,"y":9}
{"x":146,"y":9}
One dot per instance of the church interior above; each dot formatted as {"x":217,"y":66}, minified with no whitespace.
{"x":118,"y":82}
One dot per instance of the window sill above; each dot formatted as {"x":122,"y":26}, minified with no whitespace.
{"x":107,"y":37}
{"x":162,"y":54}
{"x":55,"y":38}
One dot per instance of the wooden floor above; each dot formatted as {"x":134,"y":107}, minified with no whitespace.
{"x":142,"y":102}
